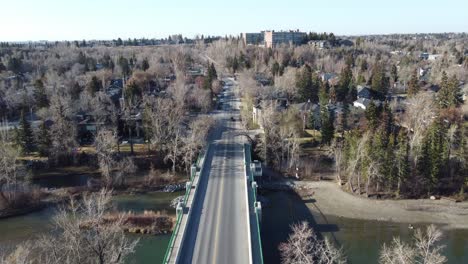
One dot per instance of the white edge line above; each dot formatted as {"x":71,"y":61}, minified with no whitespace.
{"x":246,"y":181}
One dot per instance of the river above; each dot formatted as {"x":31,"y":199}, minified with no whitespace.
{"x":150,"y":249}
{"x":361,"y":240}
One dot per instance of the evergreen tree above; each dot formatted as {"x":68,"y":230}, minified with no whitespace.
{"x":94,"y":85}
{"x":125,"y":66}
{"x":433,"y":155}
{"x":25,"y":135}
{"x":413,"y":84}
{"x":145,"y":64}
{"x":402,"y":165}
{"x":275,"y":68}
{"x":2,"y":67}
{"x":43,"y":140}
{"x":304,"y":83}
{"x":364,"y":66}
{"x":40,"y":94}
{"x":379,"y":82}
{"x":372,"y":115}
{"x":15,"y":65}
{"x":327,"y":128}
{"x":394,"y":73}
{"x":346,"y":78}
{"x":450,"y":94}
{"x":455,"y":93}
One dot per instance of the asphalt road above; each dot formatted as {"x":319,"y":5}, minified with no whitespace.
{"x":219,"y":231}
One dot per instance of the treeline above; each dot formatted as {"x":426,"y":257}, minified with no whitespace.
{"x":425,"y":155}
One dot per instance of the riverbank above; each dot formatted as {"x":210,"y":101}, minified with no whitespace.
{"x":327,"y":198}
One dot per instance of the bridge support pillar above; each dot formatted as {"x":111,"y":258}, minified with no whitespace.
{"x":193,"y":171}
{"x":180,"y":208}
{"x":258,"y":210}
{"x":252,"y":171}
{"x":254,"y":187}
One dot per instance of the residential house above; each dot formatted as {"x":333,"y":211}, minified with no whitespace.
{"x":365,"y":95}
{"x":363,"y":103}
{"x":320,"y":44}
{"x":306,"y":110}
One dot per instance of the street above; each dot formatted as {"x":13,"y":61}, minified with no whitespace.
{"x":219,"y":231}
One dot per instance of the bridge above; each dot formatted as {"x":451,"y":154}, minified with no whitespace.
{"x":219,"y":218}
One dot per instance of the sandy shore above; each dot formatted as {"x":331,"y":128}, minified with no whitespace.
{"x":329,"y":199}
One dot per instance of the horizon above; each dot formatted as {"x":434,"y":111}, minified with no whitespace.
{"x":222,"y":36}
{"x":54,"y":20}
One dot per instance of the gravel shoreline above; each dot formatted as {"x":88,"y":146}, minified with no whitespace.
{"x":328,"y":198}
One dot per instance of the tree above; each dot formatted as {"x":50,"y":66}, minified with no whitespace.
{"x":124,"y":66}
{"x":450,"y":94}
{"x":275,"y":68}
{"x":145,"y":64}
{"x":85,"y":235}
{"x":15,"y":65}
{"x":402,"y":164}
{"x":394,"y":73}
{"x":43,"y":140}
{"x":94,"y":85}
{"x":413,"y":84}
{"x":40,"y":94}
{"x":433,"y":154}
{"x":105,"y":142}
{"x":327,"y":128}
{"x":62,"y":130}
{"x":346,"y":78}
{"x":424,"y":249}
{"x":379,"y":82}
{"x":9,"y":169}
{"x":25,"y":137}
{"x":303,"y":247}
{"x":372,"y":115}
{"x":304,"y":84}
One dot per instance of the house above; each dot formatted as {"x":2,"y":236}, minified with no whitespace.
{"x":424,"y":56}
{"x":306,"y":110}
{"x":328,"y":77}
{"x":433,"y":57}
{"x":321,"y":44}
{"x":279,"y":103}
{"x":364,"y":92}
{"x":363,"y":103}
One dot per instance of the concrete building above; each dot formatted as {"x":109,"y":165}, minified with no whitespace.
{"x":274,"y":38}
{"x":253,"y":38}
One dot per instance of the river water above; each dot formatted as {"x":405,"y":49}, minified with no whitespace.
{"x":150,"y":249}
{"x":361,"y":240}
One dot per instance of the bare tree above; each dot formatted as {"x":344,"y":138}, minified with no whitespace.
{"x":423,"y":250}
{"x":84,"y":236}
{"x":304,"y":247}
{"x":63,"y":130}
{"x":195,"y":138}
{"x":418,"y":117}
{"x":105,"y":142}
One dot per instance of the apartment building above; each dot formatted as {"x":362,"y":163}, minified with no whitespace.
{"x":253,"y":38}
{"x":275,"y":38}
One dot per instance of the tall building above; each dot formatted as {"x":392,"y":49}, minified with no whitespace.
{"x":253,"y":38}
{"x":274,"y":38}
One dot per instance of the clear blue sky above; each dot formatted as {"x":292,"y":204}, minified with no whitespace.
{"x":22,"y":20}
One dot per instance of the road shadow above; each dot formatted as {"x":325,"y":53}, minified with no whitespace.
{"x":283,"y":209}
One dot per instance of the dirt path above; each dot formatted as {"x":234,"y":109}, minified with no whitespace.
{"x":329,"y":199}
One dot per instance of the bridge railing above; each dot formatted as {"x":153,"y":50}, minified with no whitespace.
{"x":248,"y":161}
{"x":199,"y":164}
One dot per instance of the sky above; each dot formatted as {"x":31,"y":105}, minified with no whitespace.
{"x":24,"y":20}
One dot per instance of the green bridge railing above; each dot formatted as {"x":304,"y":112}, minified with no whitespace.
{"x":248,"y":161}
{"x":170,"y":247}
